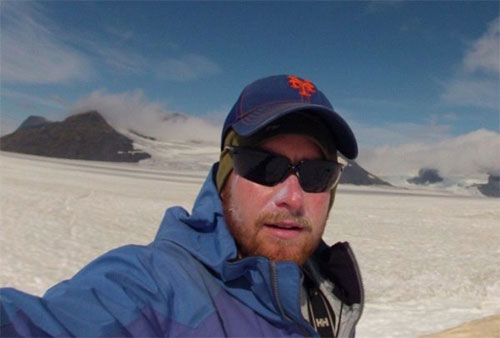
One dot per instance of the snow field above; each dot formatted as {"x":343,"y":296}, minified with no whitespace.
{"x":429,"y":261}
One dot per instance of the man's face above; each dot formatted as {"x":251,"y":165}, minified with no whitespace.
{"x":282,"y":222}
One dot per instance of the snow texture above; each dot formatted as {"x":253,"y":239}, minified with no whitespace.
{"x":429,"y":258}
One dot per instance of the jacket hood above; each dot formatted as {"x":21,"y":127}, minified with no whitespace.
{"x":204,"y":233}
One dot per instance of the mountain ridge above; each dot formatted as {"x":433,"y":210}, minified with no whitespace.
{"x":85,"y":136}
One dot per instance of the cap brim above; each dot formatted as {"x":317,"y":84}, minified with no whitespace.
{"x":259,"y":118}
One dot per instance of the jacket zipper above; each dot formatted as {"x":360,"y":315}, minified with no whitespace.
{"x":274,"y":281}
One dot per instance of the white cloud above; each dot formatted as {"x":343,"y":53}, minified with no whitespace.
{"x":473,"y":154}
{"x":30,"y":50}
{"x":477,"y":83}
{"x":484,"y":53}
{"x":187,"y":68}
{"x":132,"y":110}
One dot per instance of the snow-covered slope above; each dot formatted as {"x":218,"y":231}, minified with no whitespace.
{"x":175,"y":155}
{"x":429,"y":259}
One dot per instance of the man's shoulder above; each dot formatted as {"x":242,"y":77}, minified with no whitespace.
{"x":141,"y":258}
{"x":164,"y":267}
{"x":145,"y":287}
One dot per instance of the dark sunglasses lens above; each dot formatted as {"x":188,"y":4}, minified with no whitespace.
{"x":319,"y":176}
{"x":260,"y":167}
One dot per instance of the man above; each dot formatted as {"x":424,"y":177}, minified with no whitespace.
{"x":248,"y":261}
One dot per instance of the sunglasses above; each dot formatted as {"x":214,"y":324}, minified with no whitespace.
{"x":269,"y":169}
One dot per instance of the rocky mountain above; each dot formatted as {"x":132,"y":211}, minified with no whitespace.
{"x":85,"y":136}
{"x":33,"y":122}
{"x":492,"y":188}
{"x":354,"y":174}
{"x":426,"y":176}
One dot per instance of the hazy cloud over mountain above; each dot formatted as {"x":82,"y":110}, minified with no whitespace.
{"x":472,"y":154}
{"x":133,"y":110}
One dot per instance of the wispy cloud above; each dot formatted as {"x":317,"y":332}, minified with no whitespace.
{"x":484,"y":54}
{"x":113,"y":50}
{"x":120,"y":59}
{"x":34,"y":50}
{"x":470,"y":91}
{"x":31,"y":51}
{"x":53,"y":101}
{"x":120,"y":33}
{"x":477,"y":82}
{"x":133,"y":110}
{"x":187,"y":68}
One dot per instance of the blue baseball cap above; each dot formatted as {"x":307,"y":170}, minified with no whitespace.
{"x":271,"y":98}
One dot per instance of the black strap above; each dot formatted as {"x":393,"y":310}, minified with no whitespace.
{"x":321,"y":314}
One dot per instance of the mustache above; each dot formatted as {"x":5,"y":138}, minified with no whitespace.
{"x":283,"y":216}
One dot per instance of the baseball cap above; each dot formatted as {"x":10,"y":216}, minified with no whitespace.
{"x":265,"y":100}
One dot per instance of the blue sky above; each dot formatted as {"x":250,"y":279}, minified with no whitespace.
{"x":400,"y":72}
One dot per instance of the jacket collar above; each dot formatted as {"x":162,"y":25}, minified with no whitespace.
{"x":204,"y":233}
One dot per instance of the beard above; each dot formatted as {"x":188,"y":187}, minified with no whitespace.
{"x":252,"y":239}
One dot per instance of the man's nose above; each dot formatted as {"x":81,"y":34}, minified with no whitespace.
{"x":290,"y":195}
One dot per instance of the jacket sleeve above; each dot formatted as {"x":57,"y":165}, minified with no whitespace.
{"x":112,"y":296}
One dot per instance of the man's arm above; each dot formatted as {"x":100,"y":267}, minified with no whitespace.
{"x":112,"y":296}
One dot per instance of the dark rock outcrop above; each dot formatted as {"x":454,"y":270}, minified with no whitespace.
{"x":492,"y":188}
{"x":85,"y":136}
{"x":354,"y":174}
{"x":426,"y":176}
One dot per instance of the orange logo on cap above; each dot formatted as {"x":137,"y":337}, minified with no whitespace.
{"x":305,"y":87}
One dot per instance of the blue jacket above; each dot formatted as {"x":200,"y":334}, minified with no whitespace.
{"x":187,"y":283}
